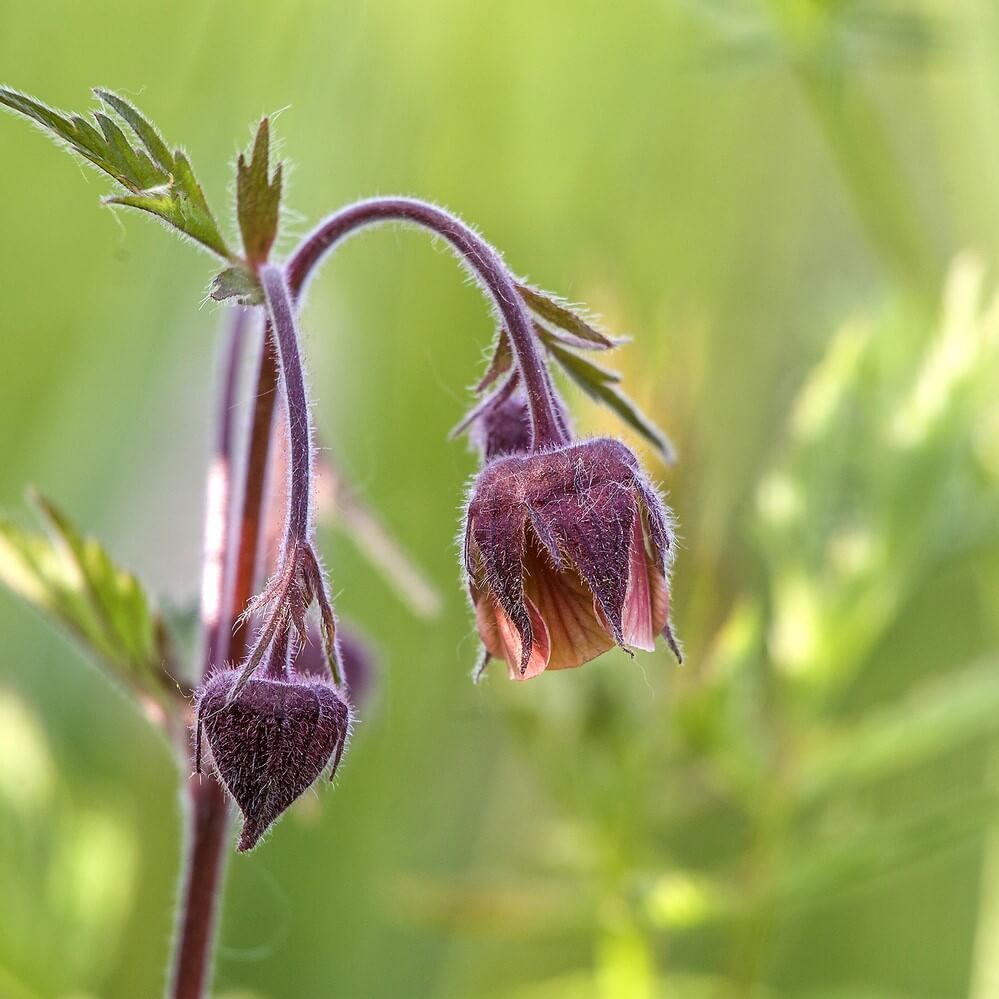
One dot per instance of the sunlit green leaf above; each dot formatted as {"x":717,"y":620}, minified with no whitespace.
{"x":157,"y":181}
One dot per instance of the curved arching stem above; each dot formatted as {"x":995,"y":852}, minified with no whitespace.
{"x":479,"y":256}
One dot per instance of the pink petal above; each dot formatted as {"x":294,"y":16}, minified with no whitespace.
{"x":576,"y":632}
{"x":646,"y":602}
{"x":513,"y":646}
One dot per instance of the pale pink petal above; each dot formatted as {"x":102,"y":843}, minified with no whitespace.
{"x":565,"y":602}
{"x":636,"y":618}
{"x":513,"y":646}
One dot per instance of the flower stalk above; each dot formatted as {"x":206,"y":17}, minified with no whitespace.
{"x":482,"y":260}
{"x":299,"y":579}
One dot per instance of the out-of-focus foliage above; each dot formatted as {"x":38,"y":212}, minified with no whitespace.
{"x":792,"y":207}
{"x":73,"y":580}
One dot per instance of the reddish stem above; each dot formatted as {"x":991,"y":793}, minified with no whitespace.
{"x":208,"y":811}
{"x":208,"y":818}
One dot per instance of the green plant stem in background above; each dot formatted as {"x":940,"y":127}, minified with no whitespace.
{"x":860,"y":145}
{"x":875,"y":180}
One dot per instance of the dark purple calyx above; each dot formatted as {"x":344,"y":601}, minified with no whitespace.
{"x":567,"y":553}
{"x":271,"y":743}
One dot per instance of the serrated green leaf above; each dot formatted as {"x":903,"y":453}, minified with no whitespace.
{"x":560,"y":316}
{"x":258,"y":197}
{"x":239,"y":283}
{"x":73,"y":579}
{"x":158,"y":182}
{"x":144,"y":129}
{"x":600,"y":384}
{"x":75,"y":132}
{"x":131,"y":163}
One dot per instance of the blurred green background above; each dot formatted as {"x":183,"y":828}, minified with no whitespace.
{"x":793,"y":207}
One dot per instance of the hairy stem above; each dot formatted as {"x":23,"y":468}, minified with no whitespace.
{"x":482,"y":259}
{"x":207,"y":810}
{"x":208,"y":819}
{"x":280,"y":310}
{"x":299,"y":579}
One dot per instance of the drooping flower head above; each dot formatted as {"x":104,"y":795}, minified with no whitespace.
{"x":270,"y":744}
{"x":567,"y":553}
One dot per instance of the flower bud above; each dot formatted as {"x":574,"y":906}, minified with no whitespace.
{"x":501,"y":424}
{"x":272,"y":742}
{"x":503,"y":428}
{"x":567,"y":554}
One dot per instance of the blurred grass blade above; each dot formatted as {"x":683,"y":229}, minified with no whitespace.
{"x":935,"y":718}
{"x":375,"y":542}
{"x":822,"y":868}
{"x":75,"y":582}
{"x":345,"y":509}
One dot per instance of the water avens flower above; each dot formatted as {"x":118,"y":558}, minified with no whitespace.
{"x":271,"y":743}
{"x":567,"y":553}
{"x":567,"y":544}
